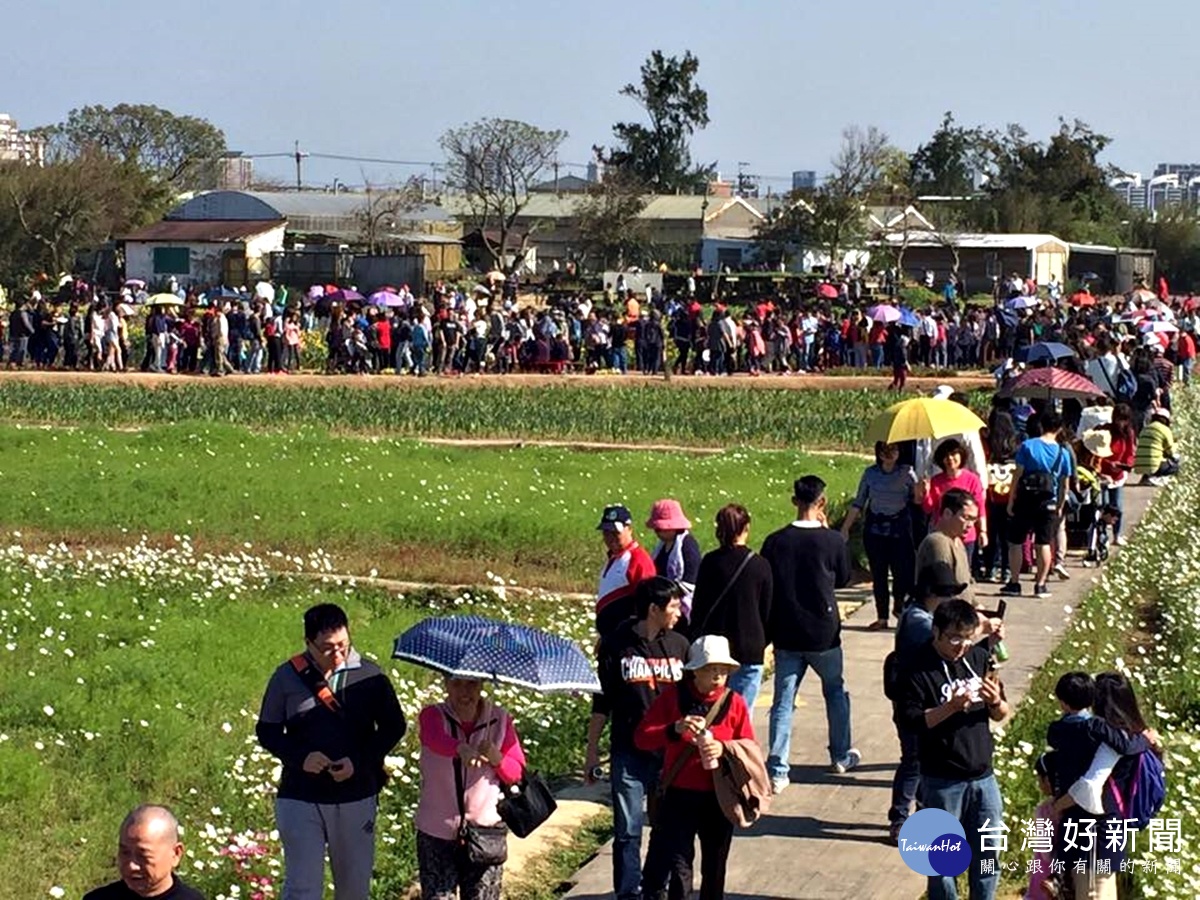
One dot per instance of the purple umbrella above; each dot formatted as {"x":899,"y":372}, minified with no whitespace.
{"x":344,"y":295}
{"x":385,"y":298}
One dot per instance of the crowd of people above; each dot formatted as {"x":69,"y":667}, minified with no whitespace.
{"x":683,"y":639}
{"x":457,"y":330}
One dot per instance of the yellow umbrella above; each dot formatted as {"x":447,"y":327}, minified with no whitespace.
{"x":164,"y":300}
{"x":923,"y":417}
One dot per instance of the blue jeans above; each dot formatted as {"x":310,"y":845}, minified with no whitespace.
{"x":746,"y":681}
{"x":906,"y":783}
{"x":790,"y":666}
{"x":619,"y":359}
{"x":634,"y":777}
{"x":877,"y":355}
{"x":972,"y":803}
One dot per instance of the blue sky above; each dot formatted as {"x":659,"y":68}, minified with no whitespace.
{"x":374,"y":79}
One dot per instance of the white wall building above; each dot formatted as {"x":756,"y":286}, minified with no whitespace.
{"x":19,"y":146}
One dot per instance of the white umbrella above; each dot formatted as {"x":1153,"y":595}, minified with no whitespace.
{"x":480,"y":289}
{"x":265,"y":290}
{"x":1149,"y":327}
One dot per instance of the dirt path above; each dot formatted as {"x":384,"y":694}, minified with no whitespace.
{"x":743,"y":382}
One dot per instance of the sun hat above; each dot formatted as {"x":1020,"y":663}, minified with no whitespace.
{"x":709,"y":650}
{"x":1098,"y":442}
{"x":668,"y":515}
{"x":1161,"y":413}
{"x":615,"y":518}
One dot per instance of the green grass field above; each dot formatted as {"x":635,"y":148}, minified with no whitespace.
{"x":406,"y":509}
{"x":135,"y":676}
{"x":693,"y":415}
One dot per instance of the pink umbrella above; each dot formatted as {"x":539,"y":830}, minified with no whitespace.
{"x":385,"y":298}
{"x":1149,"y":327}
{"x":827,"y":291}
{"x":1048,"y":382}
{"x":884,"y":313}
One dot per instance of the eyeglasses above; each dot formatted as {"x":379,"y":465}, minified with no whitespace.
{"x":958,"y":640}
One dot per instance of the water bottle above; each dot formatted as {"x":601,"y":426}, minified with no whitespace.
{"x":1000,"y":651}
{"x":708,"y":763}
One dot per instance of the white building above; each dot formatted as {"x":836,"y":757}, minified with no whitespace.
{"x":232,"y":253}
{"x":19,"y":146}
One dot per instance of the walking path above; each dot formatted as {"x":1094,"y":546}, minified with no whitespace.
{"x":826,"y":836}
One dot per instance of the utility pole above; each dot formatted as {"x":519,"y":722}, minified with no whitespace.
{"x":556,"y":174}
{"x":299,"y":157}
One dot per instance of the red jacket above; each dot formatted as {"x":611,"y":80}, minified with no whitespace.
{"x":1124,"y":446}
{"x":657,"y":731}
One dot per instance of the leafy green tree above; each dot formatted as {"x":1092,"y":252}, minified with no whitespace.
{"x":179,"y":150}
{"x":1174,"y":233}
{"x":493,"y":163}
{"x":610,"y":229}
{"x":48,"y":214}
{"x":946,"y":164}
{"x":1057,"y":187}
{"x":658,"y":154}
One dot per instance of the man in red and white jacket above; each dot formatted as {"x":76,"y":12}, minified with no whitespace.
{"x":628,"y":563}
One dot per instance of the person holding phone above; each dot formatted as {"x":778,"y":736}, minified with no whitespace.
{"x":948,"y":694}
{"x":330,"y":717}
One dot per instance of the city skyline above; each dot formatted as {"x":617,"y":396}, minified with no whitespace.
{"x":383,"y":82}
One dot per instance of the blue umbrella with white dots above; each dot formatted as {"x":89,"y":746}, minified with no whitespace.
{"x":475,"y":647}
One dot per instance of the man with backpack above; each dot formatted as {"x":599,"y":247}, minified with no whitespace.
{"x":1037,"y":501}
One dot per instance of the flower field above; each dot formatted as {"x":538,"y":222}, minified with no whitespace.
{"x":1143,"y":619}
{"x":398,"y":507}
{"x":136,"y":676}
{"x":692,"y":415}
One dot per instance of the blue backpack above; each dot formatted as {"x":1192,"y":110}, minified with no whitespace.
{"x":1142,"y":795}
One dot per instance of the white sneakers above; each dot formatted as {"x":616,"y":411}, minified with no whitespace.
{"x":779,"y":784}
{"x":847,"y":762}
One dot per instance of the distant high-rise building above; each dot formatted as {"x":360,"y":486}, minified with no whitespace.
{"x":804,"y":180}
{"x":19,"y":146}
{"x":1188,"y":187}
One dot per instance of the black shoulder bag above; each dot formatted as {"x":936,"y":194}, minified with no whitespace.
{"x":478,"y":845}
{"x":526,"y":805}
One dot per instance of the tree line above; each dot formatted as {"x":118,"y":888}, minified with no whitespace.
{"x":112,"y":170}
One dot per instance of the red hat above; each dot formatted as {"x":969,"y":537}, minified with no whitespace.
{"x":667,"y":515}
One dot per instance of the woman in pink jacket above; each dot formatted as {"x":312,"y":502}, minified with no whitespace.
{"x":480,"y":735}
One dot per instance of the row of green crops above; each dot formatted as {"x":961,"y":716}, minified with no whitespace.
{"x":528,"y":513}
{"x":691,"y":415}
{"x":1142,"y":619}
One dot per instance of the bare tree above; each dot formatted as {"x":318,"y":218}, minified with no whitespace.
{"x":493,"y":162}
{"x":384,"y":211}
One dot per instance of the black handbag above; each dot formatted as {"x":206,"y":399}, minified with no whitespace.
{"x":526,"y":805}
{"x":478,"y":845}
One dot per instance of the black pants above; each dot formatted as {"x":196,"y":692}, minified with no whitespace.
{"x":682,"y":817}
{"x":890,"y":553}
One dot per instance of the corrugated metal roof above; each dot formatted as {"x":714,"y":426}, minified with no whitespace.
{"x":214,"y":230}
{"x":977,"y":241}
{"x":663,"y":207}
{"x":229,"y":205}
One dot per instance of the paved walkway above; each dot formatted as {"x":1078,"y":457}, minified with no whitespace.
{"x":826,"y":836}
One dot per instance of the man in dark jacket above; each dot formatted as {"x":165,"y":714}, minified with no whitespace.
{"x":948,"y":694}
{"x":808,"y":562}
{"x":636,"y":660}
{"x":331,"y":717}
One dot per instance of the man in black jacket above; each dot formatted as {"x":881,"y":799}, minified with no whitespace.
{"x":331,"y":717}
{"x":148,"y":853}
{"x":808,"y":562}
{"x":636,"y":660}
{"x":948,"y":693}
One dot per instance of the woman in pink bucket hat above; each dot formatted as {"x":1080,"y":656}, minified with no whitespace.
{"x":677,"y":554}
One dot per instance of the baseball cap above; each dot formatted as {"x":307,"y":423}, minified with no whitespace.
{"x":615,"y":518}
